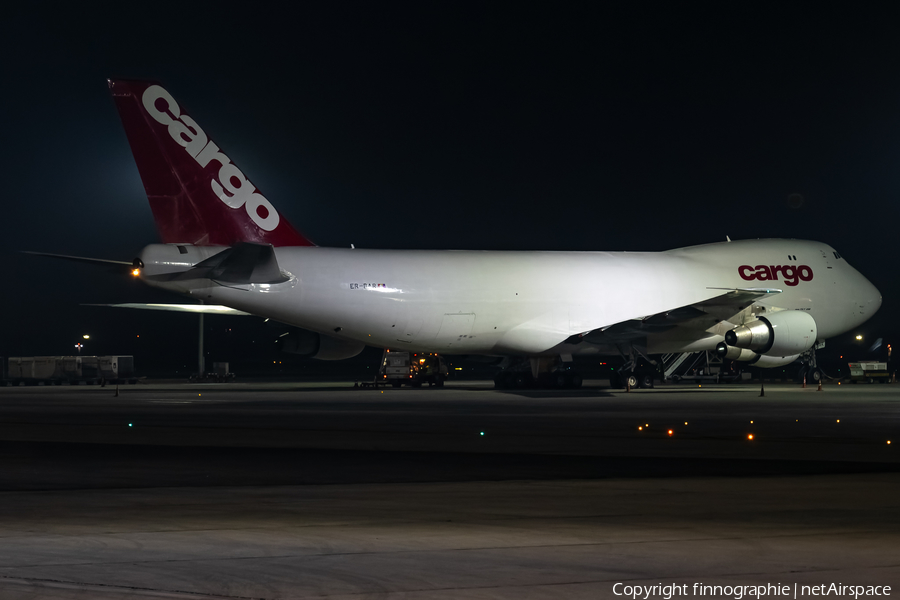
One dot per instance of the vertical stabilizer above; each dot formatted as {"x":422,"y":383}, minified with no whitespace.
{"x":197,"y":195}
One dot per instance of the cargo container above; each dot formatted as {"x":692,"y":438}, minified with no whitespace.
{"x":53,"y":370}
{"x":116,"y":368}
{"x":34,"y":369}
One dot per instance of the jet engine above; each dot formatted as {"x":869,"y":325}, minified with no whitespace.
{"x":752,"y":358}
{"x":778,"y":334}
{"x":733,"y":353}
{"x":323,"y":347}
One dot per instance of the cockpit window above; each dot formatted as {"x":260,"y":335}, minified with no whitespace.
{"x":836,"y":255}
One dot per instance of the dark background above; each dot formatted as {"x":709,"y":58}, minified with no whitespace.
{"x":431,"y":125}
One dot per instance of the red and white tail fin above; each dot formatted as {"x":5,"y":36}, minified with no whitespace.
{"x":198,"y":196}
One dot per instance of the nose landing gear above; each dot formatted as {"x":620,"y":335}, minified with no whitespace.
{"x":809,"y":368}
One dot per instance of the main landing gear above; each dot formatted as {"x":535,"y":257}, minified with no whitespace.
{"x":637,"y":372}
{"x":537,"y":373}
{"x":631,"y":379}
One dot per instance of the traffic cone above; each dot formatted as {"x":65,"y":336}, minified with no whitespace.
{"x":627,"y":384}
{"x":762,"y":388}
{"x":117,"y":391}
{"x":804,"y":381}
{"x":820,"y":386}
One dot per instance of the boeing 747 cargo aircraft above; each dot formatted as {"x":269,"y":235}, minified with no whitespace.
{"x":765,"y":302}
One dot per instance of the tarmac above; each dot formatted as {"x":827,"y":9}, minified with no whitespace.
{"x":250,"y":490}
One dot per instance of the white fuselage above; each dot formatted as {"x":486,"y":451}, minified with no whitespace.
{"x":525,"y":303}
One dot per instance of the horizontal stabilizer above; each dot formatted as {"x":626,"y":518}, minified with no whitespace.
{"x":209,"y":309}
{"x":81,"y":259}
{"x":242,"y":264}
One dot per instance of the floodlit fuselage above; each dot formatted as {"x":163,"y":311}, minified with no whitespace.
{"x":528,"y":303}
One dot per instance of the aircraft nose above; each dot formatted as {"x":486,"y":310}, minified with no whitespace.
{"x":874,"y":297}
{"x":870,"y":297}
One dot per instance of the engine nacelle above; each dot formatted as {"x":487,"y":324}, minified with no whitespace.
{"x":752,"y":358}
{"x":778,"y":334}
{"x":733,"y":353}
{"x":322,"y":347}
{"x":768,"y":362}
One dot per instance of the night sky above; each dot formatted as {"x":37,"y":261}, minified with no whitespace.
{"x":475,"y":126}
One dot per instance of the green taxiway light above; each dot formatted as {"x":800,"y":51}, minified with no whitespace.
{"x":129,"y":424}
{"x":482,"y":433}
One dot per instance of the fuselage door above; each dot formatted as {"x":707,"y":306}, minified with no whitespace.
{"x":456,"y":329}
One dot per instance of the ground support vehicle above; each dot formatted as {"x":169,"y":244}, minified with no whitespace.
{"x":412,"y":368}
{"x":869,"y":372}
{"x":219,"y":374}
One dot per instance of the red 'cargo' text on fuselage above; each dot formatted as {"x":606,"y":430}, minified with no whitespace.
{"x":792,"y":274}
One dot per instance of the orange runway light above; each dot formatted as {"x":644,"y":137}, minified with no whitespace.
{"x":749,"y":436}
{"x":136,"y":272}
{"x":671,"y":432}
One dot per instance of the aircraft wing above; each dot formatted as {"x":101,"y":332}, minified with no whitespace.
{"x":208,"y":309}
{"x":698,"y":317}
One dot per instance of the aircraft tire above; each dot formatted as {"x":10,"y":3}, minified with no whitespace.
{"x":574,"y":381}
{"x":631,"y":380}
{"x":646,"y":381}
{"x":813,"y":376}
